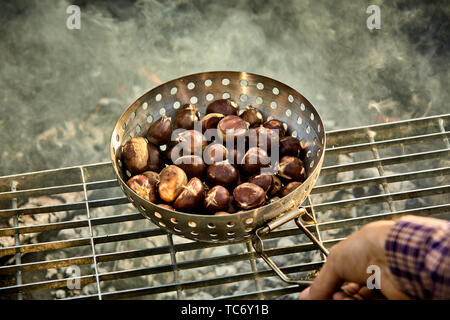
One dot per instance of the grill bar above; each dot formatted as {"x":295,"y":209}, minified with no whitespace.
{"x":427,"y":167}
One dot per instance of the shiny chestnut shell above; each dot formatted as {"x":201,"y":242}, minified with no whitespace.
{"x":160,"y":131}
{"x":255,"y":159}
{"x":291,"y":168}
{"x":142,"y":186}
{"x":215,"y":152}
{"x":186,"y":117}
{"x":210,"y":121}
{"x":263,"y":138}
{"x":222,"y":173}
{"x":192,"y":165}
{"x":249,"y":196}
{"x":217,"y":199}
{"x":290,"y":146}
{"x":172,"y":179}
{"x":275,"y":124}
{"x":191,"y":196}
{"x":252,"y":116}
{"x":232,"y":127}
{"x":223,"y":106}
{"x":264,"y":180}
{"x":291,"y":186}
{"x":191,"y":142}
{"x":138,"y":156}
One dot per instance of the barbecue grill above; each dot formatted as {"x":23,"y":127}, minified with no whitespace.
{"x":369,"y":173}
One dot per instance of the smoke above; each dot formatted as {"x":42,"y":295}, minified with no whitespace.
{"x":62,"y":90}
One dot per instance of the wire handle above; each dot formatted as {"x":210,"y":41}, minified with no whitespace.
{"x":258,"y":245}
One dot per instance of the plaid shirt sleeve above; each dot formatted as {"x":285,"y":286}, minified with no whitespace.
{"x":418,"y":255}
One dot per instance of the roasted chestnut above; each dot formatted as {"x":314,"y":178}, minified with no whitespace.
{"x":217,"y":199}
{"x":210,"y":121}
{"x":263,"y":138}
{"x":215,"y":153}
{"x":142,"y":186}
{"x":223,"y":106}
{"x":138,"y":156}
{"x":172,"y":179}
{"x":291,"y":168}
{"x":235,"y":156}
{"x":255,"y":159}
{"x":166,"y":206}
{"x":193,"y":194}
{"x":290,"y":146}
{"x":192,"y":165}
{"x":291,"y":186}
{"x":153,"y":177}
{"x":222,"y":173}
{"x":221,"y":213}
{"x":160,"y":131}
{"x":274,"y":199}
{"x":252,"y":116}
{"x":275,"y":124}
{"x":187,"y":115}
{"x":249,"y":196}
{"x":232,"y":127}
{"x":264,"y":180}
{"x":276,"y":185}
{"x":191,"y":142}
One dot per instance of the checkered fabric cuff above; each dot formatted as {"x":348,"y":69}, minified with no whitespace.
{"x":418,"y":255}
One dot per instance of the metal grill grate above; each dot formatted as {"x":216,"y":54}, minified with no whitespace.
{"x":77,"y":216}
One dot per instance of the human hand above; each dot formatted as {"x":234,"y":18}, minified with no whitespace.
{"x":348,"y":262}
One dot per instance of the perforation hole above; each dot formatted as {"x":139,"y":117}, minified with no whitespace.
{"x":226,"y":95}
{"x":150,"y":119}
{"x":302,"y":107}
{"x":211,"y":225}
{"x":192,"y":224}
{"x":162,"y":111}
{"x":311,"y":164}
{"x":244,"y":83}
{"x":119,"y":163}
{"x":194,"y":233}
{"x":249,"y":221}
{"x":124,"y":126}
{"x":315,"y":141}
{"x":158,"y":215}
{"x":176,"y":104}
{"x":308,"y":154}
{"x":285,"y":126}
{"x":137,"y":129}
{"x":117,"y":138}
{"x":276,"y":91}
{"x":145,"y":106}
{"x":133,"y":115}
{"x":209,"y":97}
{"x":208,"y":83}
{"x":269,"y":118}
{"x":299,"y":120}
{"x":174,"y":221}
{"x":231,"y":224}
{"x":163,"y":147}
{"x":273,"y":105}
{"x":248,"y":229}
{"x":259,"y":100}
{"x":162,"y":224}
{"x":243,"y":97}
{"x":290,"y":98}
{"x":174,"y":90}
{"x":260,"y":86}
{"x":177,"y":229}
{"x":128,"y":173}
{"x":231,"y":233}
{"x":213,"y":235}
{"x":312,"y":116}
{"x":308,"y":129}
{"x":158,"y":97}
{"x":191,"y":85}
{"x":318,"y":128}
{"x":288,"y":112}
{"x":225,"y":81}
{"x":294,"y":134}
{"x":194,"y":100}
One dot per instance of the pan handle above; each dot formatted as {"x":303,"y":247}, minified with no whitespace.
{"x":258,"y":245}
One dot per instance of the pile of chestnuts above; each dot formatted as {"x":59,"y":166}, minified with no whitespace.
{"x":227,"y":161}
